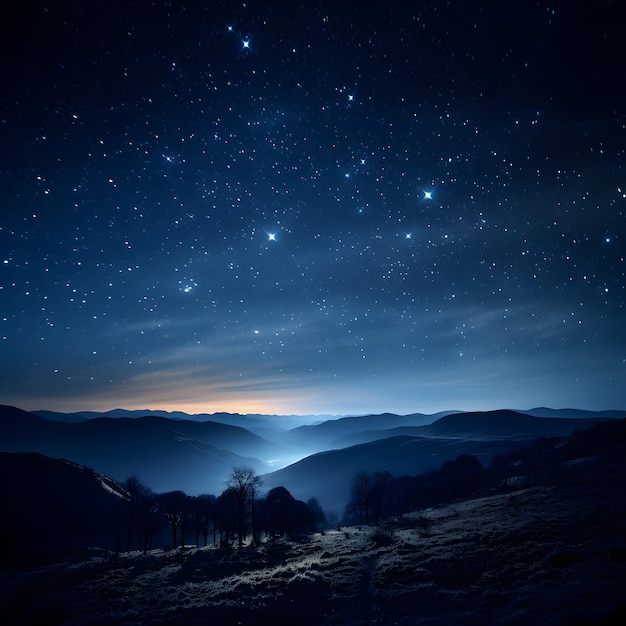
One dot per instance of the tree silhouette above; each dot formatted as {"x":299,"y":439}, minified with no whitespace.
{"x":316,"y":515}
{"x":468,"y":469}
{"x":403,"y":488}
{"x":173,"y":506}
{"x":243,"y":483}
{"x":139,"y":496}
{"x":226,"y":515}
{"x":361,"y":494}
{"x":378,"y":494}
{"x":499,"y":470}
{"x":203,"y":507}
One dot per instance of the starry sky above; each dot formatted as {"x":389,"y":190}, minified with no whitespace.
{"x":312,"y":207}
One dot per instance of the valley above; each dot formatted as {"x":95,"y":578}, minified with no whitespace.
{"x":553,"y":553}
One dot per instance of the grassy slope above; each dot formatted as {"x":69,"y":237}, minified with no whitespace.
{"x":554,"y":553}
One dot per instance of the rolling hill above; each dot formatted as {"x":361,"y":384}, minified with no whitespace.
{"x":328,"y":434}
{"x":328,"y":475}
{"x":56,"y":506}
{"x":196,"y":457}
{"x":409,"y":449}
{"x":553,"y":552}
{"x":504,"y":423}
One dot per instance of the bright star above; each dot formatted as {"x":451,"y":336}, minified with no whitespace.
{"x":408,"y":236}
{"x":246,"y":43}
{"x":428,"y":195}
{"x":187,"y":286}
{"x":271,"y":236}
{"x":350,"y":98}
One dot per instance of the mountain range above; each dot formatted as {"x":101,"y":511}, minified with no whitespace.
{"x":196,"y":454}
{"x":543,"y":550}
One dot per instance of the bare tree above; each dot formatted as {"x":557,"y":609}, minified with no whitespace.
{"x":226,"y":516}
{"x":361,"y":492}
{"x":138,"y":496}
{"x":500,"y":471}
{"x":316,"y":515}
{"x":173,"y":505}
{"x":204,"y":507}
{"x":468,"y":469}
{"x":378,"y":493}
{"x":402,"y":488}
{"x":243,"y":483}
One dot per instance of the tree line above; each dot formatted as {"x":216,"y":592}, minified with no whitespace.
{"x":379,"y":495}
{"x":238,"y":515}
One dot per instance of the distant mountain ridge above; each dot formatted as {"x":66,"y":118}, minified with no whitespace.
{"x":573,"y":413}
{"x":252,"y":421}
{"x":197,"y":456}
{"x":505,"y":423}
{"x":166,"y":454}
{"x":413,"y":449}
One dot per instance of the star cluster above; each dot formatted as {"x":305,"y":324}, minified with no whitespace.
{"x":314,"y":207}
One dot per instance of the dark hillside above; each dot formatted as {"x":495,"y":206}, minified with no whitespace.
{"x":550,"y":554}
{"x":328,"y":475}
{"x":52,"y":508}
{"x":543,"y":411}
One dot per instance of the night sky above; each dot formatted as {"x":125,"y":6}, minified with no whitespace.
{"x":323,"y":207}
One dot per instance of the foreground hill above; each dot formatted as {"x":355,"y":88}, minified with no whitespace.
{"x":50,"y":506}
{"x":552,"y":553}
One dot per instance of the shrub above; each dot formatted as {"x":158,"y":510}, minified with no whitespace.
{"x":382,"y":537}
{"x":424,"y":526}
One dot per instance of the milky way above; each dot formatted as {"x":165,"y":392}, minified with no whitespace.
{"x":316,"y":207}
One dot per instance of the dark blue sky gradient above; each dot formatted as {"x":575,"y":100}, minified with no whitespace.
{"x":401,"y":207}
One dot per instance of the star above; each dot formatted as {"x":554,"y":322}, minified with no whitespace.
{"x":173,"y":185}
